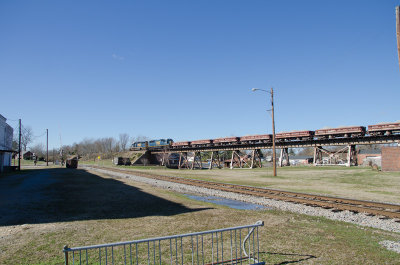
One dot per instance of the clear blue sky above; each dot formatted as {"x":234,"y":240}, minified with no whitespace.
{"x":184,"y":69}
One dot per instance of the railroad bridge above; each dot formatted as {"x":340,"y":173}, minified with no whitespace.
{"x":241,"y":159}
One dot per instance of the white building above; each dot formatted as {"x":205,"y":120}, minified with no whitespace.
{"x":6,"y":136}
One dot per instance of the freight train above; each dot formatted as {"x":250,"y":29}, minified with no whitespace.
{"x":331,"y":133}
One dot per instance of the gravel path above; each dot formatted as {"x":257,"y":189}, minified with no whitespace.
{"x":346,"y":216}
{"x":391,"y":245}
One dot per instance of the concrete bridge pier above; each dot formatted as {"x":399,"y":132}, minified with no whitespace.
{"x":284,"y":156}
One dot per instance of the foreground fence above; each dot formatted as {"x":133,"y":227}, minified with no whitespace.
{"x":234,"y":245}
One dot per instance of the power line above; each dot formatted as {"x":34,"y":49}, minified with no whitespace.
{"x":38,"y":136}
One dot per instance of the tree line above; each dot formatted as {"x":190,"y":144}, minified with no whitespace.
{"x":88,"y":148}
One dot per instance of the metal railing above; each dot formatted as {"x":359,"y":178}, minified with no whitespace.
{"x":234,"y":245}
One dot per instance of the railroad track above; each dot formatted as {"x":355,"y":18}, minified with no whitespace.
{"x":334,"y":203}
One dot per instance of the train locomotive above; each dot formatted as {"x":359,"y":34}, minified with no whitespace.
{"x":153,"y":144}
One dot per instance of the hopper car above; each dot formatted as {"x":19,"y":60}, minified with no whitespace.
{"x":226,"y":140}
{"x":384,"y":128}
{"x":295,"y":135}
{"x":202,"y":143}
{"x":349,"y":131}
{"x":181,"y":144}
{"x":260,"y":138}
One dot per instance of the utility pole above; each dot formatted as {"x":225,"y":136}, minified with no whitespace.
{"x":398,"y":30}
{"x":47,"y":147}
{"x":19,"y":147}
{"x":273,"y":125}
{"x":273,"y":132}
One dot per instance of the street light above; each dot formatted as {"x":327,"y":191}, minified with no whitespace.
{"x":273,"y":125}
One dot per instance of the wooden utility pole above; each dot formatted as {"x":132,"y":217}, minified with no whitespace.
{"x":47,"y":147}
{"x":273,"y":132}
{"x":398,"y":30}
{"x":19,"y":147}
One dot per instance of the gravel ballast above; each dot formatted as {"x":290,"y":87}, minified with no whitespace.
{"x":346,"y":216}
{"x":391,"y":245}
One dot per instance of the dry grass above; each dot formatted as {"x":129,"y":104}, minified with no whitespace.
{"x":150,"y":212}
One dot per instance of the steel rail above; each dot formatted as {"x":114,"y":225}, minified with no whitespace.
{"x":328,"y":202}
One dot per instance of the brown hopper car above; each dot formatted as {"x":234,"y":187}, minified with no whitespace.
{"x":256,"y":138}
{"x":226,"y":140}
{"x":298,"y":135}
{"x":384,"y":128}
{"x":181,"y":143}
{"x":350,"y":131}
{"x":202,"y":142}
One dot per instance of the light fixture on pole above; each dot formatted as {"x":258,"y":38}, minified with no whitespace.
{"x":273,"y":125}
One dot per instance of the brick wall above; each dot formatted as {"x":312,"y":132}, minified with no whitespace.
{"x":364,"y":159}
{"x":390,"y":158}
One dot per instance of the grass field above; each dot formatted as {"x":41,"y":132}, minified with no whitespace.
{"x":355,"y":182}
{"x":75,"y":207}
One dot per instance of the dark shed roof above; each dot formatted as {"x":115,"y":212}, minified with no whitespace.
{"x":370,"y":151}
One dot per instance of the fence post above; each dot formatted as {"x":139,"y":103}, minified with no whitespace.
{"x":66,"y":254}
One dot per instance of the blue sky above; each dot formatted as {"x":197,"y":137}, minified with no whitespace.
{"x":184,"y":69}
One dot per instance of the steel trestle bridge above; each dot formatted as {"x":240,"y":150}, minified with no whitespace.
{"x":238,"y":159}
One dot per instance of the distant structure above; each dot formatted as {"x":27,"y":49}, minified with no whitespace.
{"x":398,"y":30}
{"x":6,"y":135}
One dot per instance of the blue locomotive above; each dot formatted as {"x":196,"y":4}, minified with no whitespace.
{"x":151,"y":144}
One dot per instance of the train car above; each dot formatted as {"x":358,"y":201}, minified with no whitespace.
{"x":153,"y":144}
{"x":180,"y":144}
{"x":139,"y":145}
{"x":384,"y":128}
{"x":226,"y":140}
{"x":349,"y":131}
{"x":198,"y":143}
{"x":259,"y":138}
{"x":294,"y":135}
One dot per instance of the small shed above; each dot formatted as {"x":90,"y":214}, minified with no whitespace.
{"x":26,"y":155}
{"x":121,"y":161}
{"x":300,"y":160}
{"x":72,"y":162}
{"x":368,"y":156}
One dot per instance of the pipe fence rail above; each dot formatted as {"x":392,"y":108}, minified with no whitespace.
{"x":234,"y":245}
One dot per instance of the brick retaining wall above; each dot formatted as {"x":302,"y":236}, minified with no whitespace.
{"x":390,"y":158}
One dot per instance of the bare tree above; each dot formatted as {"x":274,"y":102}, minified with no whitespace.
{"x":141,"y":138}
{"x":123,"y":141}
{"x":38,"y":150}
{"x":307,"y":151}
{"x":26,"y":136}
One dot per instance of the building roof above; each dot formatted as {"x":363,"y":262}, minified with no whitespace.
{"x":8,"y":151}
{"x":370,"y":151}
{"x":300,"y":157}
